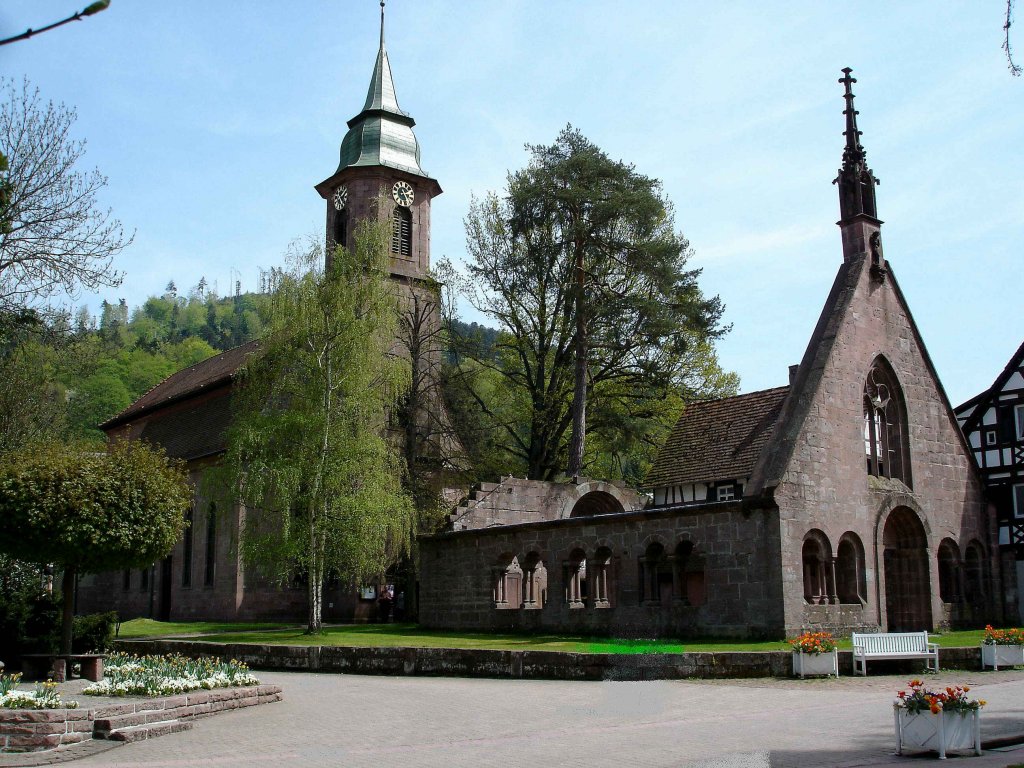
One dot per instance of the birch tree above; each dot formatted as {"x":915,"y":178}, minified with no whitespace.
{"x":308,"y":451}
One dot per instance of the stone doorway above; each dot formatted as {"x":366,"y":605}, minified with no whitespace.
{"x":908,"y":595}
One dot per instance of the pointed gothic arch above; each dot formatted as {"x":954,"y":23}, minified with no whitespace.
{"x":886,"y":446}
{"x":906,"y":561}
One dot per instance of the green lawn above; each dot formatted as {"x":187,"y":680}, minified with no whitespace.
{"x":394,"y":635}
{"x":140,"y":628}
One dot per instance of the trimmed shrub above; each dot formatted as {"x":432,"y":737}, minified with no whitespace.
{"x":94,"y":633}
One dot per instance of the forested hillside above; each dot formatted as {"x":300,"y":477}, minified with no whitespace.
{"x":68,"y":374}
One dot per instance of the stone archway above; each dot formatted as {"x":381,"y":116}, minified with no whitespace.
{"x":908,"y":602}
{"x":596,"y":503}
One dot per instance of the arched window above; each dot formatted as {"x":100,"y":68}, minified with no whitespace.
{"x":535,"y":581}
{"x":600,"y":568}
{"x":401,"y":232}
{"x":688,"y":569}
{"x":656,"y":576}
{"x":575,"y":571}
{"x":949,"y":571}
{"x":186,"y":550}
{"x":851,"y":582}
{"x":508,"y":582}
{"x":211,"y":545}
{"x":341,"y":227}
{"x":975,"y":574}
{"x":817,"y":567}
{"x":885,"y":430}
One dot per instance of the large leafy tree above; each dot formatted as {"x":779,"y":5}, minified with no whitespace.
{"x":89,"y":511}
{"x":308,"y":454}
{"x":580,"y":266}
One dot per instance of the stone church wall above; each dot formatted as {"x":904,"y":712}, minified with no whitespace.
{"x":736,"y":551}
{"x":827,"y":489}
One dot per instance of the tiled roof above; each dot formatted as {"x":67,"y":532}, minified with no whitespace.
{"x":191,"y":433}
{"x":200,"y":377}
{"x":717,"y":439}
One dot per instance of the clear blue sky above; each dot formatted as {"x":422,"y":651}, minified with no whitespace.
{"x":214,"y":120}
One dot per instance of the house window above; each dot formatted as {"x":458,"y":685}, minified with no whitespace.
{"x":726,"y":492}
{"x":186,"y":556}
{"x":990,"y":437}
{"x":144,"y":580}
{"x":1019,"y":414}
{"x":401,"y":232}
{"x":1018,"y":500}
{"x":885,"y":434}
{"x":127,"y":579}
{"x":211,"y":545}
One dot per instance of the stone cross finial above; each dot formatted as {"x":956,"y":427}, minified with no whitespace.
{"x":855,"y":179}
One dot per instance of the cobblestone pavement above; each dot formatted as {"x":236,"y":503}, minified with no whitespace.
{"x":355,"y":721}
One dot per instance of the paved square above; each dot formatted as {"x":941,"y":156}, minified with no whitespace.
{"x":355,"y":721}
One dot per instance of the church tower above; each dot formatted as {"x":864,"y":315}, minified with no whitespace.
{"x":380,"y":152}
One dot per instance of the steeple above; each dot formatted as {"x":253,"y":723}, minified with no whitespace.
{"x":381,"y":134}
{"x":856,"y":181}
{"x":858,"y":214}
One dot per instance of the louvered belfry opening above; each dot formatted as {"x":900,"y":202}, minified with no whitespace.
{"x":401,"y":232}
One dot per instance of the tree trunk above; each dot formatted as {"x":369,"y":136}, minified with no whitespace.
{"x":315,"y":583}
{"x":68,"y":618}
{"x":579,"y":398}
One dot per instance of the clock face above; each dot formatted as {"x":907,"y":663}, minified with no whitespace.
{"x":403,"y":194}
{"x":340,"y":197}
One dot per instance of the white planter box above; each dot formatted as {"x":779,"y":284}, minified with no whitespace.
{"x":941,"y":732}
{"x":816,"y":663}
{"x":996,"y":656}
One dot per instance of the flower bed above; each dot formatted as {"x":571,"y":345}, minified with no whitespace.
{"x":126,"y":675}
{"x":44,"y":696}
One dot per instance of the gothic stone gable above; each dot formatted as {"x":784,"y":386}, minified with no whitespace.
{"x":862,"y":549}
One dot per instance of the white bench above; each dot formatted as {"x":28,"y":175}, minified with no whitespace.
{"x":893,"y":645}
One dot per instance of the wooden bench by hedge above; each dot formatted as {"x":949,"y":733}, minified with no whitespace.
{"x":893,"y":645}
{"x":58,"y":666}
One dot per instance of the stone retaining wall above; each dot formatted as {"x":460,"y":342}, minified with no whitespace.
{"x":29,"y":730}
{"x":539,"y":665}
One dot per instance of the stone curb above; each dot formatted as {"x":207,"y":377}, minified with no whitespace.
{"x":529,"y":665}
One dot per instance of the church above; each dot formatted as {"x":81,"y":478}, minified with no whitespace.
{"x":847,"y":499}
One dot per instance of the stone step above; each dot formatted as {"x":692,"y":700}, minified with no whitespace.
{"x":113,"y":722}
{"x":145,"y":731}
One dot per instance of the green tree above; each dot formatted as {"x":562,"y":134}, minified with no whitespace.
{"x":89,"y":511}
{"x":582,"y":270}
{"x":308,"y":453}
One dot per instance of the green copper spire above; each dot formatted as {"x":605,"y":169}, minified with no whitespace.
{"x":382,"y":133}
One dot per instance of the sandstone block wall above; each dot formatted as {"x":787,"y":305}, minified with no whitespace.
{"x":739,"y":551}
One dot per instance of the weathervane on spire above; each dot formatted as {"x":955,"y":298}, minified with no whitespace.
{"x":381,"y":23}
{"x":856,"y":181}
